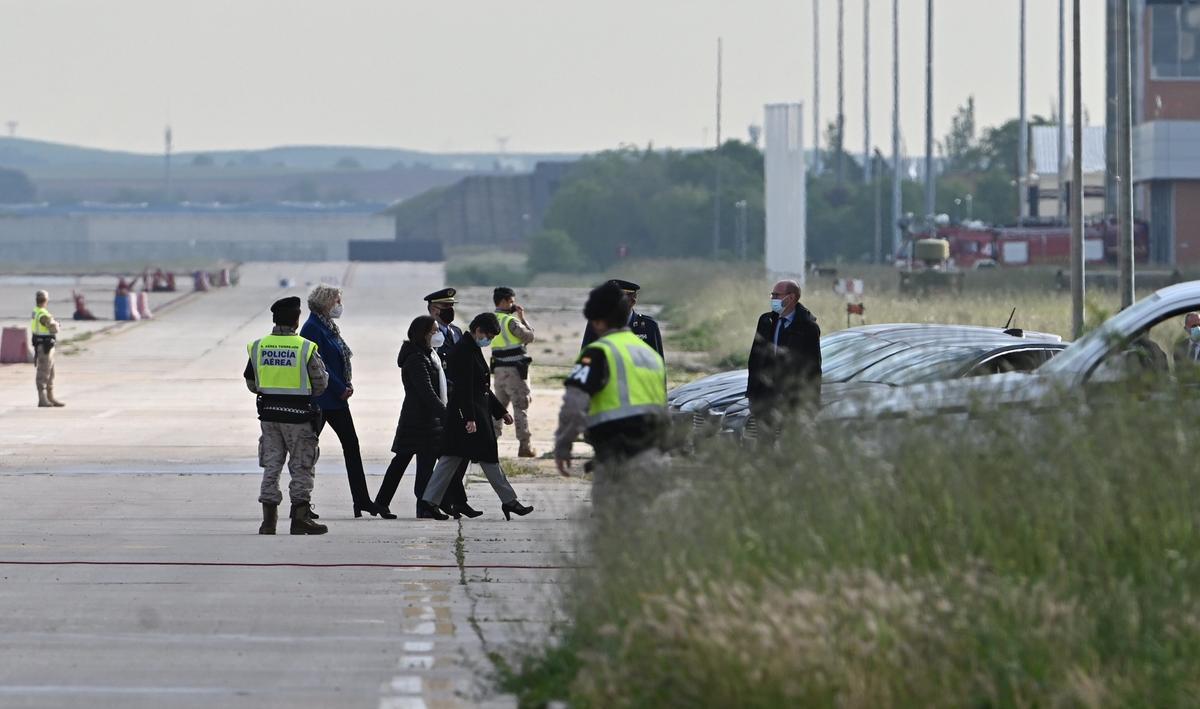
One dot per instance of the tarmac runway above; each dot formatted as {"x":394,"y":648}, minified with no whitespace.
{"x":130,"y":571}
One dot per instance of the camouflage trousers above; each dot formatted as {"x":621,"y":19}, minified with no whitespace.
{"x":295,"y":444}
{"x":44,"y":361}
{"x":510,"y":388}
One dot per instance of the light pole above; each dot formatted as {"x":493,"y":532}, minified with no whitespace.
{"x":930,"y":185}
{"x":1023,"y":137}
{"x":867,"y":157}
{"x":897,"y":236}
{"x":1077,"y":265}
{"x":1124,"y":158}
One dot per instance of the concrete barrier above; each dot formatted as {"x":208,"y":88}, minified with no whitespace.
{"x":14,"y":346}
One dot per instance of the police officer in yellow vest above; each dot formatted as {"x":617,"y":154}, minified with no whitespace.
{"x":286,"y":372}
{"x":510,"y":365}
{"x":616,"y":392}
{"x":44,"y":329}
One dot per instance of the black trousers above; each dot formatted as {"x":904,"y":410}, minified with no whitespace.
{"x":342,"y":424}
{"x":426,"y":459}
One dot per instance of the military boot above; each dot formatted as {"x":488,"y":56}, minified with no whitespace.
{"x":43,"y":402}
{"x":51,"y":399}
{"x":526,"y":451}
{"x":302,"y":522}
{"x":270,"y":516}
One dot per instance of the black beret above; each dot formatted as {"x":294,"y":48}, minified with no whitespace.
{"x":503,"y":292}
{"x":627,"y":286}
{"x":603,"y":302}
{"x":445,"y":295}
{"x":286,"y":305}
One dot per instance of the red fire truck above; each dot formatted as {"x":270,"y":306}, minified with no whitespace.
{"x":975,"y":245}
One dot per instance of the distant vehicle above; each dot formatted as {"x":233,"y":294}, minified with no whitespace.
{"x":872,"y":356}
{"x":1111,"y":353}
{"x":974,"y":245}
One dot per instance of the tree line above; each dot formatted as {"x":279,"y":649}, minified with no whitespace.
{"x":646,"y":203}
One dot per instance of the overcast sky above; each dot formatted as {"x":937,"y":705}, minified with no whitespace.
{"x":452,"y":75}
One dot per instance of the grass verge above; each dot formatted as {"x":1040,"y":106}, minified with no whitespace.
{"x":1006,"y":562}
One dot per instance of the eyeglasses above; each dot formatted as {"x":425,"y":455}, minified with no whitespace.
{"x":779,"y":295}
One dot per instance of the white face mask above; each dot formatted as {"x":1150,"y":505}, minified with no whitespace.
{"x":336,"y":312}
{"x":437,"y":340}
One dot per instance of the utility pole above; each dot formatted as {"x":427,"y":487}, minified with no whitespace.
{"x":740,"y":224}
{"x":930,"y":183}
{"x":816,"y":100}
{"x":877,"y":256}
{"x":1023,"y":137}
{"x":841,"y":92}
{"x":167,"y":165}
{"x":717,"y":161}
{"x":1077,"y":265}
{"x":1124,"y":157}
{"x":896,"y":206}
{"x":1062,"y":111}
{"x":867,"y":159}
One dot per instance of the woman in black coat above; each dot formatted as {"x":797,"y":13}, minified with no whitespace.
{"x":469,"y":432}
{"x":419,"y":432}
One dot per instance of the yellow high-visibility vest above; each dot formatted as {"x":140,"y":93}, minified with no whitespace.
{"x":506,"y":347}
{"x":36,"y":327}
{"x":637,"y":379}
{"x":281,"y":364}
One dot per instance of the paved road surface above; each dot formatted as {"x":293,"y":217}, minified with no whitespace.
{"x":151,"y":467}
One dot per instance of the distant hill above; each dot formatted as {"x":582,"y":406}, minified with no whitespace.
{"x":70,"y":173}
{"x":38,"y":157}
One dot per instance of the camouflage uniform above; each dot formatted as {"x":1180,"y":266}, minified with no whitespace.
{"x":293,"y":443}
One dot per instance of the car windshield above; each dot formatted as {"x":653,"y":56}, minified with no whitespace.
{"x":919,"y":364}
{"x":1074,"y":356}
{"x":850,"y":358}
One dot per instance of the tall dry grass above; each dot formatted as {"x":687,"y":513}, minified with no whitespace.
{"x":1054,"y":564}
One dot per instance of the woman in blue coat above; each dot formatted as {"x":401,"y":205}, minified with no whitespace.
{"x":325,"y":304}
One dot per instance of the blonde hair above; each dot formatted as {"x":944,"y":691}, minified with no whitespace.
{"x":322,"y":297}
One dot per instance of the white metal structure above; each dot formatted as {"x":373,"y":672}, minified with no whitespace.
{"x":785,"y":191}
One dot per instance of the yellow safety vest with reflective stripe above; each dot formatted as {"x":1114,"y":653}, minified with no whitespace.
{"x":36,"y":327}
{"x":506,"y":347}
{"x":637,"y":379}
{"x":281,"y":365}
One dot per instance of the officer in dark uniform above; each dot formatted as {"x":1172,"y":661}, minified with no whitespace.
{"x":441,"y":308}
{"x":641,"y":325}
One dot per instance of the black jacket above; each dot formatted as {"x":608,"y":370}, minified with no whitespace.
{"x":471,"y":400}
{"x":790,"y":372}
{"x":643,"y":326}
{"x":421,"y":416}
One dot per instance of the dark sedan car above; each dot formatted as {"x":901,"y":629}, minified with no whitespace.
{"x":874,"y":356}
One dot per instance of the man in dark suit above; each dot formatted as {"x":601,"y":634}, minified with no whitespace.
{"x":441,"y":308}
{"x":785,"y":361}
{"x":641,"y":325}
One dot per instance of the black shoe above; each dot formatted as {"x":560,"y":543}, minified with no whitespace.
{"x":368,"y":507}
{"x":302,"y":522}
{"x":426,"y":510}
{"x":515,"y":508}
{"x":384,"y":512}
{"x":466,"y":510}
{"x":270,"y":517}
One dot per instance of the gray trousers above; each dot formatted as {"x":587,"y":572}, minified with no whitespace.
{"x":295,"y":444}
{"x":444,"y":471}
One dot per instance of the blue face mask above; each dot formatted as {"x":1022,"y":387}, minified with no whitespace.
{"x":776,"y":305}
{"x":1195,"y":333}
{"x":484,"y":342}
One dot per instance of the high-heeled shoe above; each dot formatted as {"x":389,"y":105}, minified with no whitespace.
{"x":368,"y":507}
{"x":515,"y":508}
{"x":450,"y":510}
{"x":384,"y":512}
{"x":426,"y":510}
{"x":466,"y":510}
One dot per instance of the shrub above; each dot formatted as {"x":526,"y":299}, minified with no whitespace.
{"x":553,"y":251}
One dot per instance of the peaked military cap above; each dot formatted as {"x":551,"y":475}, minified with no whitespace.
{"x":286,"y":305}
{"x":444,"y":296}
{"x":627,"y":286}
